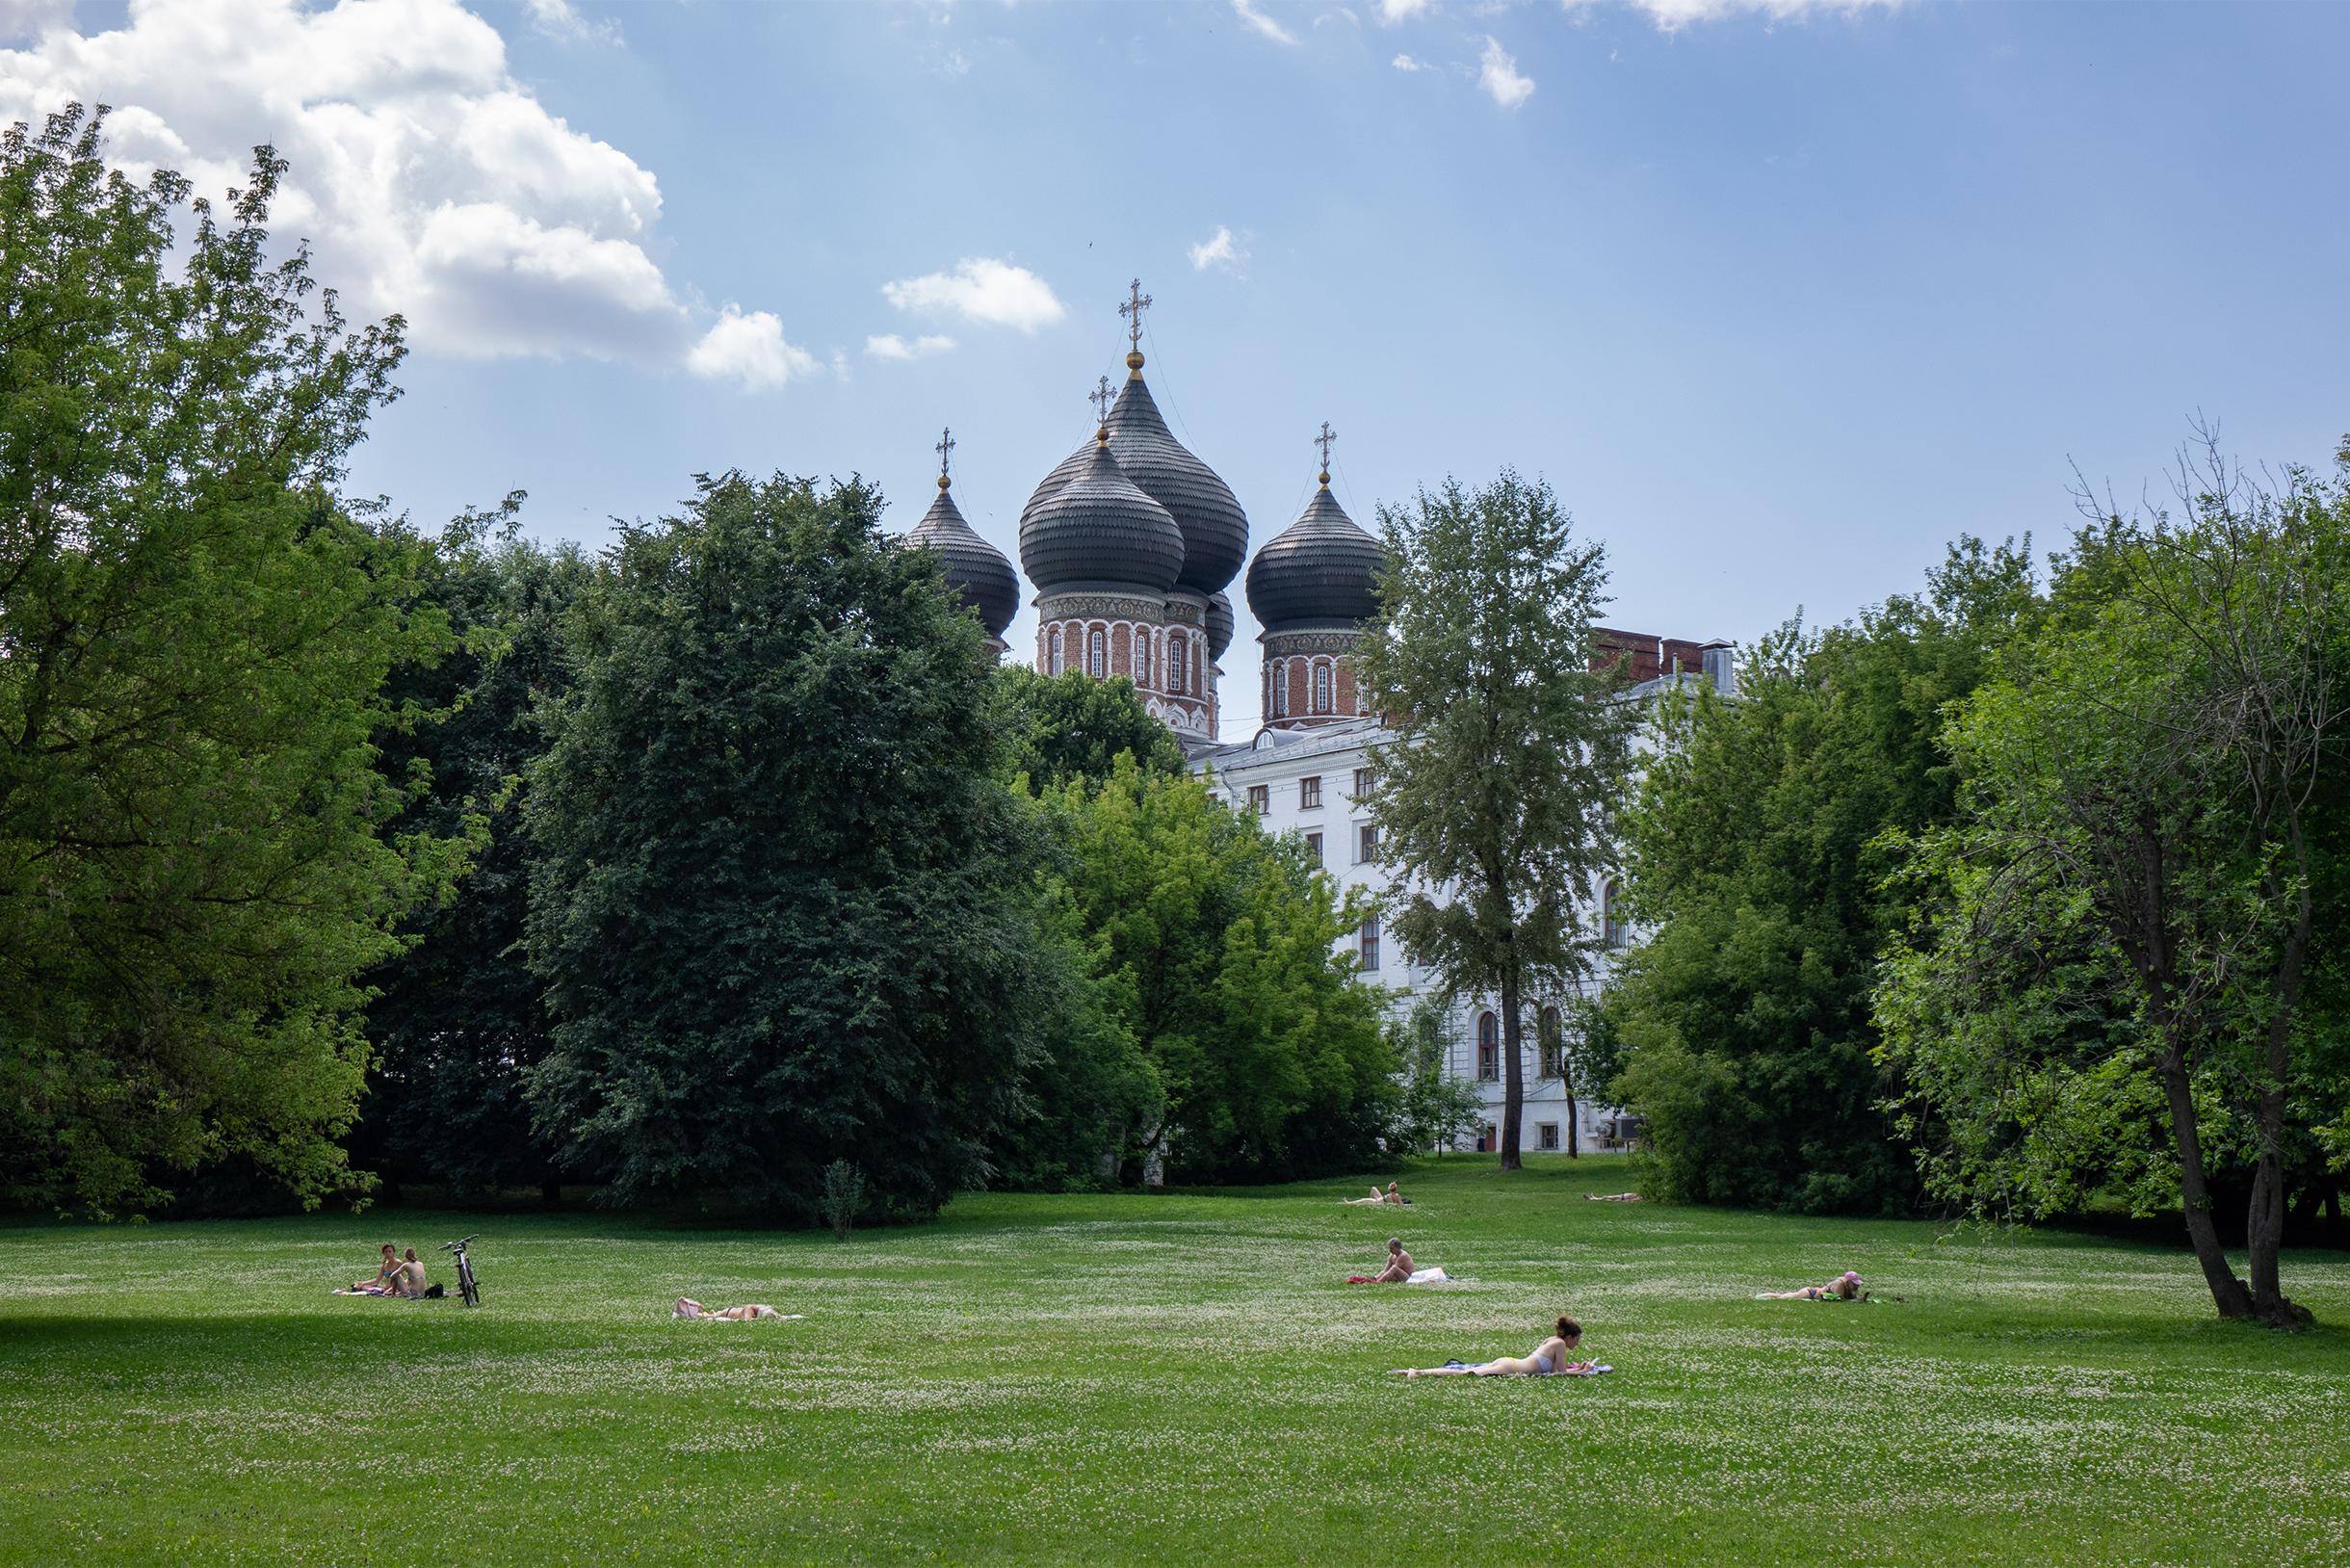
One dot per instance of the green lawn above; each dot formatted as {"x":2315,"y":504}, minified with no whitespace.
{"x":1159,"y":1377}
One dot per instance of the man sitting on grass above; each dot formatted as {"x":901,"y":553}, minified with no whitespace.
{"x":1398,"y":1266}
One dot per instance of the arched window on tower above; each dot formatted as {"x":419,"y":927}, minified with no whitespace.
{"x":1281,"y":689}
{"x":1548,"y":1033}
{"x":1052,"y":646}
{"x":1322,"y":689}
{"x":1199,"y":681}
{"x":1612,"y":925}
{"x":1488,"y":1048}
{"x":1097,"y":656}
{"x":1175,"y":662}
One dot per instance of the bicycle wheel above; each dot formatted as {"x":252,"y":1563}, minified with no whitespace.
{"x":465,"y":1282}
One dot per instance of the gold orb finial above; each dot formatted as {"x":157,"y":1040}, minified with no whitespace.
{"x":1134,"y":366}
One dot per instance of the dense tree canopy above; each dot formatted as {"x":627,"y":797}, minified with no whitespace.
{"x":193,"y":638}
{"x":1215,"y":948}
{"x":777,"y":896}
{"x":1067,"y":726}
{"x":460,"y":1022}
{"x":2140,"y":878}
{"x":1754,"y":860}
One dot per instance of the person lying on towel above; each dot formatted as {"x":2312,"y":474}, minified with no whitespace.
{"x":689,"y":1308}
{"x":1552,"y":1356}
{"x":1844,"y":1287}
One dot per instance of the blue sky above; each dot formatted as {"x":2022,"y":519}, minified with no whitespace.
{"x":1779,"y":298}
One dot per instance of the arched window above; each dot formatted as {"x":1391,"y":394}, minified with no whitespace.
{"x":1097,"y":655}
{"x":1281,"y":690}
{"x":1488,"y":1048}
{"x":1175,"y":657}
{"x":1199,"y":682}
{"x":1548,"y":1033}
{"x":1612,"y":925}
{"x":1052,"y":643}
{"x":1322,"y":689}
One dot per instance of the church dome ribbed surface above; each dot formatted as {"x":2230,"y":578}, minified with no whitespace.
{"x":1219,"y":625}
{"x":974,"y":567}
{"x":1098,"y":527}
{"x":1214,"y":528}
{"x":1321,"y":569}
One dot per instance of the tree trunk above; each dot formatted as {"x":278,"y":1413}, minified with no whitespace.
{"x":1513,"y":1094}
{"x":2228,"y":1291}
{"x":1573,"y":1152}
{"x":2264,"y":1225}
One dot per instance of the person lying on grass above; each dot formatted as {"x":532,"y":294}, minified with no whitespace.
{"x":1391,"y":1195}
{"x":1844,"y":1287}
{"x":1549,"y":1357}
{"x":689,"y":1308}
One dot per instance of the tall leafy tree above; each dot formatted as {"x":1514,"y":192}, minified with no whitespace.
{"x":461,"y":1021}
{"x":1754,"y":860}
{"x":1505,"y":747}
{"x":776,"y":889}
{"x":193,"y":638}
{"x":1060,"y":727}
{"x":1217,"y":947}
{"x":2143,"y":871}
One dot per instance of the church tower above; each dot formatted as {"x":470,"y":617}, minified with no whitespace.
{"x":975,"y":569}
{"x":1101,"y":605}
{"x":1312,"y":588}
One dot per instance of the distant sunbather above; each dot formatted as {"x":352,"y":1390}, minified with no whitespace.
{"x":689,"y":1308}
{"x":1844,"y":1287}
{"x":1391,"y":1195}
{"x":410,"y":1280}
{"x":1398,"y":1264}
{"x":1549,"y":1357}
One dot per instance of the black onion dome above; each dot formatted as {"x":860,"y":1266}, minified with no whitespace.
{"x":974,"y":567}
{"x":1100,"y":528}
{"x":1321,"y":569}
{"x":1219,"y":625}
{"x":1214,"y":528}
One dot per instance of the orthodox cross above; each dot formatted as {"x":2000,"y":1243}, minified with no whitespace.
{"x":1323,"y":440}
{"x":1137,"y":304}
{"x":946,"y":444}
{"x":1101,"y":398}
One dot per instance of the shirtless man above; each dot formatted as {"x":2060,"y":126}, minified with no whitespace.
{"x":1398,"y":1264}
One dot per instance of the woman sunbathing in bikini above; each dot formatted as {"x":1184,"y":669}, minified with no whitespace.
{"x":1391,"y":1195}
{"x":387,"y":1277}
{"x":1549,"y":1357}
{"x":689,"y":1308}
{"x":1844,"y":1287}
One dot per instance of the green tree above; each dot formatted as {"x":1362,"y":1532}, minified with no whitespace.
{"x":1507,"y":747}
{"x":2141,"y":877}
{"x":1437,"y":1106}
{"x":1067,"y":726}
{"x":776,"y":895}
{"x":1216,"y":944}
{"x":460,"y":1023}
{"x":1752,"y":855}
{"x":193,"y":639}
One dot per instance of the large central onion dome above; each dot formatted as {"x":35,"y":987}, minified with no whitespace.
{"x":1320,"y":571}
{"x":975,"y":569}
{"x":1098,"y":528}
{"x":1214,"y":528}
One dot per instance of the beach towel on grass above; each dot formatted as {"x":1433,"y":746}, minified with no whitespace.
{"x":1860,"y":1301}
{"x":1574,"y":1368}
{"x":1419,"y":1276}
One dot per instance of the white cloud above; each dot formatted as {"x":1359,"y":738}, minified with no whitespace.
{"x":427,"y":179}
{"x":890,"y":346}
{"x":1392,"y":11}
{"x":1248,"y":12}
{"x":1499,"y":76}
{"x":982,"y":290}
{"x":1220,"y":251}
{"x":1407,"y":63}
{"x":30,"y":19}
{"x":749,"y":349}
{"x":559,"y":20}
{"x":1672,"y":16}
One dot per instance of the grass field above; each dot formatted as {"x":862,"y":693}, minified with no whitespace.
{"x":1163,"y":1377}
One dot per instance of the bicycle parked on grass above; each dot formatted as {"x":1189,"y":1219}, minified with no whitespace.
{"x":464,"y":1269}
